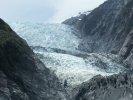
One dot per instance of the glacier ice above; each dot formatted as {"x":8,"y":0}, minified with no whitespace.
{"x":47,"y":35}
{"x":79,"y":69}
{"x":68,"y":63}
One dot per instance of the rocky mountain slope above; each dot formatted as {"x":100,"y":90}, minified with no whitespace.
{"x":126,"y":51}
{"x":106,"y":27}
{"x":115,"y":87}
{"x":22,"y":75}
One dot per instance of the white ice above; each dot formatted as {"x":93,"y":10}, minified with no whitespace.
{"x":77,"y":70}
{"x":68,"y":67}
{"x":47,"y":35}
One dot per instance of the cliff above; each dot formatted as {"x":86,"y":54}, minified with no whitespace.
{"x":115,"y":87}
{"x":22,"y":75}
{"x":126,"y":51}
{"x":106,"y":27}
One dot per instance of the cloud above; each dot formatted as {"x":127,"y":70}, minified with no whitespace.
{"x":69,"y":8}
{"x":27,"y":10}
{"x":44,"y":10}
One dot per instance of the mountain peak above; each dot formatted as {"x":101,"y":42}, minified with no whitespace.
{"x":106,"y":27}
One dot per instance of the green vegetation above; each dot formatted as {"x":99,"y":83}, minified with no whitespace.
{"x":4,"y":36}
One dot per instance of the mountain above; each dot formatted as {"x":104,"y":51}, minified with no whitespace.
{"x":56,"y":46}
{"x":72,"y":61}
{"x":22,"y":75}
{"x":106,"y":27}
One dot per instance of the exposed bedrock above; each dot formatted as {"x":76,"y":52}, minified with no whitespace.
{"x":22,"y":75}
{"x":106,"y":27}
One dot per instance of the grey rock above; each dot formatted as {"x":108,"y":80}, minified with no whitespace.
{"x":115,"y":87}
{"x":126,"y":51}
{"x":106,"y":27}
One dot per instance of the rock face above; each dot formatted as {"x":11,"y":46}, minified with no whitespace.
{"x":115,"y":87}
{"x":22,"y":75}
{"x":126,"y":51}
{"x":106,"y":27}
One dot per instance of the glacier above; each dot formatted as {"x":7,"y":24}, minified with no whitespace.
{"x":76,"y":69}
{"x":57,"y":47}
{"x":47,"y":35}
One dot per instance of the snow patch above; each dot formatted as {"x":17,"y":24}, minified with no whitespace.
{"x":79,"y":19}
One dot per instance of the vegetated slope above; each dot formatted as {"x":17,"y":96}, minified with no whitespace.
{"x":106,"y":27}
{"x":22,"y":75}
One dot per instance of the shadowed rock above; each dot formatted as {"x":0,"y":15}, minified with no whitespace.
{"x":23,"y":76}
{"x":115,"y":87}
{"x":126,"y":51}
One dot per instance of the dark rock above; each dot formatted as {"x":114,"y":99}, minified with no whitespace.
{"x":22,"y":75}
{"x":126,"y":51}
{"x":106,"y":27}
{"x":115,"y":87}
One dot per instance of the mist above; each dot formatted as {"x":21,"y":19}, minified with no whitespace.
{"x":44,"y":10}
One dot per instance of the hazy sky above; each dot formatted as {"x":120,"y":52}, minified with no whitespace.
{"x":44,"y":10}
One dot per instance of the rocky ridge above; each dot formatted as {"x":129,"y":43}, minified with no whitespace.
{"x":23,"y":76}
{"x":106,"y":27}
{"x":115,"y":87}
{"x":126,"y":51}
